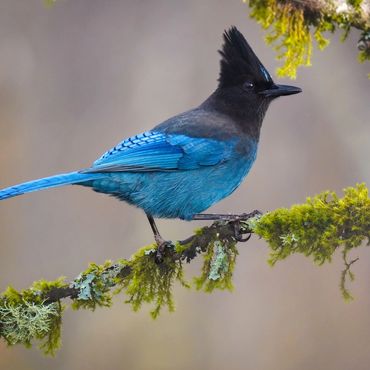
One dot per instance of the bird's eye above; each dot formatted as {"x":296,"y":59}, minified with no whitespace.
{"x":248,"y":85}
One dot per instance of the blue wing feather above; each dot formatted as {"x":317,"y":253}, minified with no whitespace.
{"x":156,"y":151}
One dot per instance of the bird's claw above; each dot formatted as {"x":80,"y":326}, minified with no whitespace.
{"x":238,"y":235}
{"x":161,"y":246}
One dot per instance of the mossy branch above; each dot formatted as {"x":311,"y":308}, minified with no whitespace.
{"x":293,"y":24}
{"x":317,"y":228}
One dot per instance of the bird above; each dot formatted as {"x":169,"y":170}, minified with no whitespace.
{"x":193,"y":160}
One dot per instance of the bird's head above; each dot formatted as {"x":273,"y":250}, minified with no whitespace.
{"x":243,"y":77}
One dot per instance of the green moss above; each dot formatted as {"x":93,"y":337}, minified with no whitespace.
{"x":290,"y":24}
{"x":49,"y":3}
{"x":36,"y":293}
{"x":149,"y":282}
{"x":319,"y":227}
{"x":25,"y":317}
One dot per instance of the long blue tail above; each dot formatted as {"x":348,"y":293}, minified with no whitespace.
{"x":47,"y":182}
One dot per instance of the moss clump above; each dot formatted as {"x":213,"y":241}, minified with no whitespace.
{"x":25,"y":316}
{"x":290,"y":23}
{"x":49,"y":3}
{"x":318,"y":228}
{"x":149,"y":282}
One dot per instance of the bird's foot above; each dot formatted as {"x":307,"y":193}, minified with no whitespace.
{"x":238,"y":234}
{"x":161,"y":247}
{"x":232,"y":219}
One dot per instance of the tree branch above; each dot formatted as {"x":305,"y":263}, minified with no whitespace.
{"x":228,"y":231}
{"x":316,"y":229}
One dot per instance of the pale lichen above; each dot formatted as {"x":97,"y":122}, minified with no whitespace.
{"x":289,"y":239}
{"x":25,"y":317}
{"x":22,"y":322}
{"x":220,"y":262}
{"x":94,"y":284}
{"x":218,"y":266}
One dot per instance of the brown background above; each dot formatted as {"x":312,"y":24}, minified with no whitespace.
{"x":79,"y":77}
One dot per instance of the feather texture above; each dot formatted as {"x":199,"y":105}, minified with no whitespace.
{"x":156,"y":151}
{"x":239,"y":62}
{"x":189,"y":162}
{"x":46,"y":183}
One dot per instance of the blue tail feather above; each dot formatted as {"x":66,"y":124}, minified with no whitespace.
{"x":47,"y":182}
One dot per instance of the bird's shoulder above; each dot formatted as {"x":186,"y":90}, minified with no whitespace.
{"x":195,"y":138}
{"x":201,"y":123}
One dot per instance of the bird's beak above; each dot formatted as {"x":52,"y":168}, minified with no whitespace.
{"x":280,"y":90}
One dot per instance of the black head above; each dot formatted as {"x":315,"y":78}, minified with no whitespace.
{"x":245,"y":88}
{"x":241,"y":70}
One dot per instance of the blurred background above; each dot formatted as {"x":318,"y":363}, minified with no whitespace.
{"x":77,"y":78}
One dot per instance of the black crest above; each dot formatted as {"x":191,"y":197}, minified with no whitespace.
{"x":239,"y":62}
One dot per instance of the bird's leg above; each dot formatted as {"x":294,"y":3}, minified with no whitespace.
{"x":161,"y":243}
{"x":224,"y":217}
{"x":214,"y":217}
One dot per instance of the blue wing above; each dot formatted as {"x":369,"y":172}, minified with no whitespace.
{"x":156,"y":151}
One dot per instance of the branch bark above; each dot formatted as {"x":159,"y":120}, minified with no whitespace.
{"x":232,"y":230}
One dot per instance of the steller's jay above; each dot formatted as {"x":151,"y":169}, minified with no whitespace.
{"x":193,"y":160}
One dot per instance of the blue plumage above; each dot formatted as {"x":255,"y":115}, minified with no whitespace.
{"x":163,"y":152}
{"x":46,"y":183}
{"x":197,"y":174}
{"x":193,"y":160}
{"x":172,"y":175}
